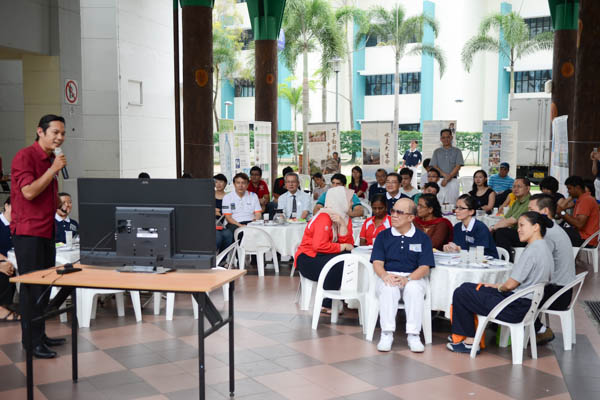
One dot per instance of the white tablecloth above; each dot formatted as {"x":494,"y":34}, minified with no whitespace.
{"x":286,"y":238}
{"x":63,"y":256}
{"x":488,"y":220}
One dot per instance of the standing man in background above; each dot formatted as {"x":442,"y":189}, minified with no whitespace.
{"x":448,"y":160}
{"x":412,"y":159}
{"x":34,"y":200}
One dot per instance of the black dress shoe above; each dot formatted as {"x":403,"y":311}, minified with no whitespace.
{"x":54,"y":341}
{"x":41,"y":351}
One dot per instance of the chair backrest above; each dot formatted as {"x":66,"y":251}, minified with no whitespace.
{"x":253,"y":238}
{"x":327,"y":178}
{"x":368,"y":211}
{"x":538,"y":293}
{"x":229,"y":253}
{"x":587,"y":241}
{"x":357,"y":274}
{"x":466,"y":183}
{"x":503,"y":253}
{"x":578,"y":281}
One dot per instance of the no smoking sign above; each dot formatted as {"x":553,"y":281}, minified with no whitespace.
{"x":71,"y":91}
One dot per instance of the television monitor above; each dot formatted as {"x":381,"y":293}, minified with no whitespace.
{"x":150,"y":222}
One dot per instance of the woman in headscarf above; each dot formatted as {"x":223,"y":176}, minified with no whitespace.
{"x":328,"y":234}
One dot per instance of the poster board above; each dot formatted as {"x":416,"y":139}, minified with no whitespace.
{"x":323,"y":141}
{"x":559,"y":165}
{"x":234,"y":147}
{"x":431,"y":135}
{"x":378,"y":146}
{"x":499,"y":144}
{"x":262,"y":148}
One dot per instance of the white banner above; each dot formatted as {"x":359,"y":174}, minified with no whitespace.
{"x":379,"y":145}
{"x":226,"y":148}
{"x":431,"y":135}
{"x":499,"y":144}
{"x":262,"y":148}
{"x":323,"y":141}
{"x":241,"y":147}
{"x":559,"y":167}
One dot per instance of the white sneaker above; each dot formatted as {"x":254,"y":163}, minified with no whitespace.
{"x":385,"y":342}
{"x":414,"y":344}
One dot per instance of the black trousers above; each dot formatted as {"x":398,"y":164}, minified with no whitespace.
{"x":508,"y":238}
{"x":7,"y":290}
{"x":501,"y":197}
{"x":311,"y":267}
{"x":467,"y":301}
{"x":562,"y":303}
{"x":33,"y":254}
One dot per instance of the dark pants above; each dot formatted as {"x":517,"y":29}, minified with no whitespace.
{"x":33,"y":254}
{"x":501,"y":197}
{"x":560,"y":304}
{"x":311,"y":267}
{"x":7,"y":291}
{"x":224,"y":239}
{"x":574,"y":235}
{"x":467,"y":301}
{"x":508,"y":238}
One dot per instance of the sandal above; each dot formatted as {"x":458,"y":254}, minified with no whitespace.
{"x":11,"y":316}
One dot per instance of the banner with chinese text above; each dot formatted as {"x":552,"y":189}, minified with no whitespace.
{"x":499,"y":144}
{"x":323,"y":141}
{"x":262,"y":148}
{"x":559,"y":165}
{"x":379,"y":146}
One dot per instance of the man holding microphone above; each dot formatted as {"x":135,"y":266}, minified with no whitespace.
{"x":34,"y":199}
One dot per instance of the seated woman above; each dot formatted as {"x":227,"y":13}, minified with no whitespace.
{"x":533,"y":267}
{"x":328,"y":234}
{"x":470,"y":232}
{"x":380,"y":221}
{"x":357,"y":183}
{"x":224,"y":236}
{"x":549,"y":185}
{"x":7,"y":270}
{"x":429,"y":219}
{"x":483,"y":195}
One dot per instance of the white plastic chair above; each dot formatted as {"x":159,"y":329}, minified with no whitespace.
{"x":87,"y":303}
{"x":593,"y":251}
{"x":373,"y":313}
{"x":256,"y":242}
{"x":229,"y":253}
{"x":466,"y":183}
{"x":567,"y":317}
{"x":355,"y":285}
{"x":368,"y":211}
{"x":304,"y":293}
{"x":327,"y":178}
{"x":520,"y":332}
{"x":503,"y":254}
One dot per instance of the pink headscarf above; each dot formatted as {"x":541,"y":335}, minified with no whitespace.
{"x":337,"y":203}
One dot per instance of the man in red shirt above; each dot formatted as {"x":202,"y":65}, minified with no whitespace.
{"x":585,"y":218}
{"x":34,"y":199}
{"x":259,"y":186}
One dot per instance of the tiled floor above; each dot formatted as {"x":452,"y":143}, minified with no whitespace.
{"x":278,"y":356}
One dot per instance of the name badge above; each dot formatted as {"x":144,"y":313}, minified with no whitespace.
{"x":470,"y":239}
{"x":415,"y":247}
{"x":72,"y":228}
{"x":232,"y":205}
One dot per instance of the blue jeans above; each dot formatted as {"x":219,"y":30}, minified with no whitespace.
{"x":224,"y":239}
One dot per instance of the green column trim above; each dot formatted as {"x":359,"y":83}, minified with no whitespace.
{"x":266,"y":17}
{"x":565,"y":14}
{"x":199,"y":3}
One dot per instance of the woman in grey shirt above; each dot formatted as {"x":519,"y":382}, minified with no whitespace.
{"x":533,"y":267}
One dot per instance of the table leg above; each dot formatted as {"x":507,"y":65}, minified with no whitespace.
{"x":231,"y":338}
{"x":28,"y":339}
{"x":74,"y":328}
{"x":201,"y":376}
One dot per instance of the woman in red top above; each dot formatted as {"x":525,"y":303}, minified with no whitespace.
{"x":378,"y":222}
{"x":357,"y":183}
{"x":328,"y":234}
{"x":429,"y":219}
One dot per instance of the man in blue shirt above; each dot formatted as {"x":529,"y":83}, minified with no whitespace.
{"x":340,"y":180}
{"x":501,"y":183}
{"x":62,"y":222}
{"x":379,"y":186}
{"x":402,"y":256}
{"x":412,"y":159}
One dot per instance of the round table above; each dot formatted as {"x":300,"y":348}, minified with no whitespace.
{"x":286,"y":238}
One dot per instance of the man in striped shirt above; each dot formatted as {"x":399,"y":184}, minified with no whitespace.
{"x":501,"y":183}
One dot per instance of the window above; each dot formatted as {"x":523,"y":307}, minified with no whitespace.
{"x":410,"y":83}
{"x":531,"y":81}
{"x":246,"y":37}
{"x":408,"y":127}
{"x":374,"y":40}
{"x":244,"y":88}
{"x":377,"y":85}
{"x":538,"y":25}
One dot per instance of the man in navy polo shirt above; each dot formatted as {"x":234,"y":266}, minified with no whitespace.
{"x":63,"y":222}
{"x":412,"y":159}
{"x":34,"y":199}
{"x":402,"y":256}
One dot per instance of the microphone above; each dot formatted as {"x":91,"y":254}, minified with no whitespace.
{"x":57,"y":152}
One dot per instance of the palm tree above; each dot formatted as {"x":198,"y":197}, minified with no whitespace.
{"x":331,"y":49}
{"x":516,"y":43}
{"x":294,"y":96}
{"x":401,"y":33}
{"x":306,"y":22}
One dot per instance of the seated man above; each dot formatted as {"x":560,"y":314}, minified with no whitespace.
{"x":501,"y":183}
{"x":402,"y":256}
{"x":505,"y":230}
{"x":563,"y":271}
{"x":279,"y":184}
{"x":584,"y":221}
{"x":62,"y":222}
{"x":7,"y":289}
{"x":240,"y":206}
{"x":429,"y":187}
{"x":294,"y":203}
{"x":434,"y":176}
{"x":406,"y":189}
{"x":258,"y":186}
{"x":392,"y":187}
{"x":340,"y":180}
{"x":379,"y":186}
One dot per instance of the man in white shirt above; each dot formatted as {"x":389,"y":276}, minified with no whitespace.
{"x":240,"y":206}
{"x":294,"y":203}
{"x":433,"y":176}
{"x":392,"y":187}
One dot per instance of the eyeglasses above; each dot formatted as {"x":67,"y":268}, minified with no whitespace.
{"x":461,"y":208}
{"x":393,"y":211}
